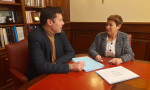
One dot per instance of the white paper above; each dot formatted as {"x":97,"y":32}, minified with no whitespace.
{"x":116,"y":74}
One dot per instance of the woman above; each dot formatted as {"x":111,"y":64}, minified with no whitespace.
{"x":112,"y":43}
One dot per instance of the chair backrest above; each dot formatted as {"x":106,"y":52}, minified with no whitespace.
{"x":130,"y":38}
{"x":18,"y":56}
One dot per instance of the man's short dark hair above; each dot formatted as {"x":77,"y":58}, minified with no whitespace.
{"x":49,"y":13}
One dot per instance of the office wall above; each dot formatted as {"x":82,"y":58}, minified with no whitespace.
{"x":95,"y":11}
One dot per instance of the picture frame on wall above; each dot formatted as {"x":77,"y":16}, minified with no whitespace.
{"x":35,"y":16}
{"x":7,"y":1}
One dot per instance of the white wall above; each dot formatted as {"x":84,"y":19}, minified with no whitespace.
{"x":95,"y":11}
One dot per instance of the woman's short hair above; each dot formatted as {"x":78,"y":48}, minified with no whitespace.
{"x":117,"y":18}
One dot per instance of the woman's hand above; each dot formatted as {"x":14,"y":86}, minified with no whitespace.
{"x":98,"y":58}
{"x":115,"y":61}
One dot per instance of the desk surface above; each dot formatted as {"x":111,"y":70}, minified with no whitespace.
{"x":91,"y":81}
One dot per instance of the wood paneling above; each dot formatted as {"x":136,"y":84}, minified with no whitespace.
{"x":65,"y":5}
{"x":140,"y":48}
{"x":66,"y":28}
{"x":80,"y":40}
{"x":83,"y":34}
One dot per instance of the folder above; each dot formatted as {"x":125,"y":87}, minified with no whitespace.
{"x":90,"y":64}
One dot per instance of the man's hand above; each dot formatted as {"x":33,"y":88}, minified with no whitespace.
{"x":98,"y":58}
{"x":77,"y":66}
{"x":115,"y":61}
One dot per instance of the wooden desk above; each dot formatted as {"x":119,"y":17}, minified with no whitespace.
{"x":91,"y":81}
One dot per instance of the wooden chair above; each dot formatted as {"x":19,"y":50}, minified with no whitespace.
{"x":130,"y":38}
{"x":18,"y":59}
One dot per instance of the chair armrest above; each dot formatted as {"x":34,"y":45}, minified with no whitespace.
{"x":19,"y":76}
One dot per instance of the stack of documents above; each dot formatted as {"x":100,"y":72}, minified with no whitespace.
{"x":116,"y":74}
{"x":90,"y":64}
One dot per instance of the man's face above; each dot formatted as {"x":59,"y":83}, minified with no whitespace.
{"x":57,"y":23}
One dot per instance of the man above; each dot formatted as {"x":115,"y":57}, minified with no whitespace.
{"x":49,"y":48}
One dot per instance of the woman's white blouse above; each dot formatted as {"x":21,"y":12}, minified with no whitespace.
{"x":110,"y":48}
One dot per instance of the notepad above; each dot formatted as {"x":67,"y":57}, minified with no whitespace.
{"x":116,"y":74}
{"x":90,"y":64}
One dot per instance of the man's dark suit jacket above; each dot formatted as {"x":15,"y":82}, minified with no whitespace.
{"x":41,"y":56}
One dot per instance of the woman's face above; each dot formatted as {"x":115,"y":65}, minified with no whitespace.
{"x":111,"y":27}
